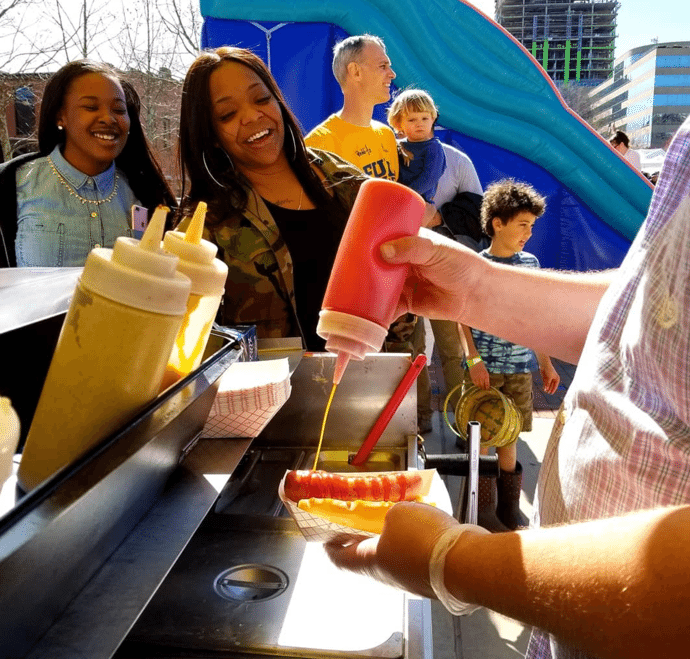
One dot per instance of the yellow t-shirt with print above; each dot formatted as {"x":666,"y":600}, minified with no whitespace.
{"x":372,"y":148}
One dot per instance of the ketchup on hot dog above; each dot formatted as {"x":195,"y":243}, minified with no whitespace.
{"x":397,"y":486}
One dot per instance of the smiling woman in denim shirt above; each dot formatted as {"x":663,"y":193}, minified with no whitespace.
{"x":94,"y":163}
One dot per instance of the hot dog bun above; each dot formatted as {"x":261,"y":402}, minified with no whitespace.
{"x":361,"y":515}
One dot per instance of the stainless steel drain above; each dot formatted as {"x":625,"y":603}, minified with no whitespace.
{"x":251,"y":583}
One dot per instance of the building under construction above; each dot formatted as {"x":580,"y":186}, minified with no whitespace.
{"x":573,"y":40}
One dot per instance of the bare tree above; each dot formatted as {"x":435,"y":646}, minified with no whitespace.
{"x":25,"y":43}
{"x":158,"y":41}
{"x":182,"y":21}
{"x":81,"y":28}
{"x":159,"y":35}
{"x":578,"y":100}
{"x":154,"y":41}
{"x":14,"y":18}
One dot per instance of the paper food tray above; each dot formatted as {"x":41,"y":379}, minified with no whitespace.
{"x":319,"y":529}
{"x":249,"y":394}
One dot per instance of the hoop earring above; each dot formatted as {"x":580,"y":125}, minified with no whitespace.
{"x":208,"y":171}
{"x":232,"y":164}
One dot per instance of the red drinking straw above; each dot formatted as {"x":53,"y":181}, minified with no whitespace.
{"x":387,"y":413}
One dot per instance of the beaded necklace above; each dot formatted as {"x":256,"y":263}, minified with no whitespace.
{"x":73,"y":193}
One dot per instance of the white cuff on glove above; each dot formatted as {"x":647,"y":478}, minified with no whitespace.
{"x":437,"y":565}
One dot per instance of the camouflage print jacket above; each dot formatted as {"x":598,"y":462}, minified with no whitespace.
{"x":260,"y":286}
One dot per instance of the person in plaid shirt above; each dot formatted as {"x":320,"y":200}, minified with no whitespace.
{"x":607,"y":576}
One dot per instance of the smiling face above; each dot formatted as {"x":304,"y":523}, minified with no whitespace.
{"x":417,"y":126}
{"x":246,"y":117}
{"x":375,"y":73}
{"x":511,"y":237}
{"x":96,"y":123}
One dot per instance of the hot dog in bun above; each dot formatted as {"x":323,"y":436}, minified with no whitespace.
{"x":360,"y":501}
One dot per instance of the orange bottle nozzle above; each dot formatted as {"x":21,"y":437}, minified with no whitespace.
{"x":341,"y":363}
{"x":151,"y":240}
{"x":196,"y":226}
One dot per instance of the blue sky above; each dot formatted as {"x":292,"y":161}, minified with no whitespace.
{"x":639,"y":21}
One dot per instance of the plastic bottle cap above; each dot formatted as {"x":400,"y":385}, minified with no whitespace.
{"x":139,"y":273}
{"x":345,"y":332}
{"x":197,"y":256}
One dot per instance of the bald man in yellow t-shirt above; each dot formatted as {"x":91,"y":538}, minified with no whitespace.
{"x":363,"y":70}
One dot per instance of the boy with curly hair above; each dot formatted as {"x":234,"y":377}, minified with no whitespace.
{"x":509,"y":210}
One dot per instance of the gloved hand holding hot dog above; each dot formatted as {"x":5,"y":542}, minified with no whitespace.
{"x":352,"y":501}
{"x":410,"y":553}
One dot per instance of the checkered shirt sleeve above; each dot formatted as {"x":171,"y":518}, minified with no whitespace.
{"x":622,"y":439}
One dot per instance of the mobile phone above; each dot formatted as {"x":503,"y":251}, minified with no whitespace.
{"x":140,"y":220}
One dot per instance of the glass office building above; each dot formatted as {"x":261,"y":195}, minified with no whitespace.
{"x":648,"y":95}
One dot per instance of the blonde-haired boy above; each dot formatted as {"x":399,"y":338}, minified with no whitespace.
{"x":422,"y":161}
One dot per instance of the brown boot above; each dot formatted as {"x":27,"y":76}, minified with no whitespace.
{"x":486,"y":506}
{"x":508,"y":510}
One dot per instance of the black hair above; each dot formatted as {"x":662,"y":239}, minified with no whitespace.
{"x":620,"y":138}
{"x":212,"y":176}
{"x":137,"y":160}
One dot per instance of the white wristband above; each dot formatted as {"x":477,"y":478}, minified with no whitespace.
{"x":437,"y":565}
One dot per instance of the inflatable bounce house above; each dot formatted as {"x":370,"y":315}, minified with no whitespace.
{"x":495,"y":103}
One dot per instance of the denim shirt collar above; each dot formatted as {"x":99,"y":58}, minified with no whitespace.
{"x":104,"y":181}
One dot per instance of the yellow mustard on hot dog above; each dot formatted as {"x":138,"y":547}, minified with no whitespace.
{"x":361,"y":515}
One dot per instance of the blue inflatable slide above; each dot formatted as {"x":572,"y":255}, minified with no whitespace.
{"x":495,"y":103}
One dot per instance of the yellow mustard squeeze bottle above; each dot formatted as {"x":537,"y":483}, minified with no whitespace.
{"x":111,"y":354}
{"x":208,"y":275}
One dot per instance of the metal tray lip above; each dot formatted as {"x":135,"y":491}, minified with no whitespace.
{"x":34,"y":498}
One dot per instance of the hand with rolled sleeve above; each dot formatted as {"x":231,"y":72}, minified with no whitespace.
{"x":616,"y":587}
{"x":449,"y":281}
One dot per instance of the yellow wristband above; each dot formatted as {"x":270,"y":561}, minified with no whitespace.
{"x":474,"y":361}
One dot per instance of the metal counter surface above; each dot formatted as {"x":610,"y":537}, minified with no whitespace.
{"x":138,"y":510}
{"x":100,"y":616}
{"x":248,"y":584}
{"x":360,"y":397}
{"x":54,"y":539}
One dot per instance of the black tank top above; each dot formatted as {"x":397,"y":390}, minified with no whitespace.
{"x":312,"y":240}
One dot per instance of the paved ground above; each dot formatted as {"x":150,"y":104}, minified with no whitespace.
{"x":485,"y":634}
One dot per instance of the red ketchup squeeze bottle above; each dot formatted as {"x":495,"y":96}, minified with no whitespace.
{"x":363,"y":289}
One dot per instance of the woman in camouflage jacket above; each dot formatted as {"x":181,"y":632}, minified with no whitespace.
{"x":241,"y":152}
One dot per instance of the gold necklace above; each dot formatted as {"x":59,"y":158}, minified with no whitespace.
{"x":301,"y":193}
{"x":73,"y":192}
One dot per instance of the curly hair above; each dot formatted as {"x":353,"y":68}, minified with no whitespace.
{"x":505,"y":199}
